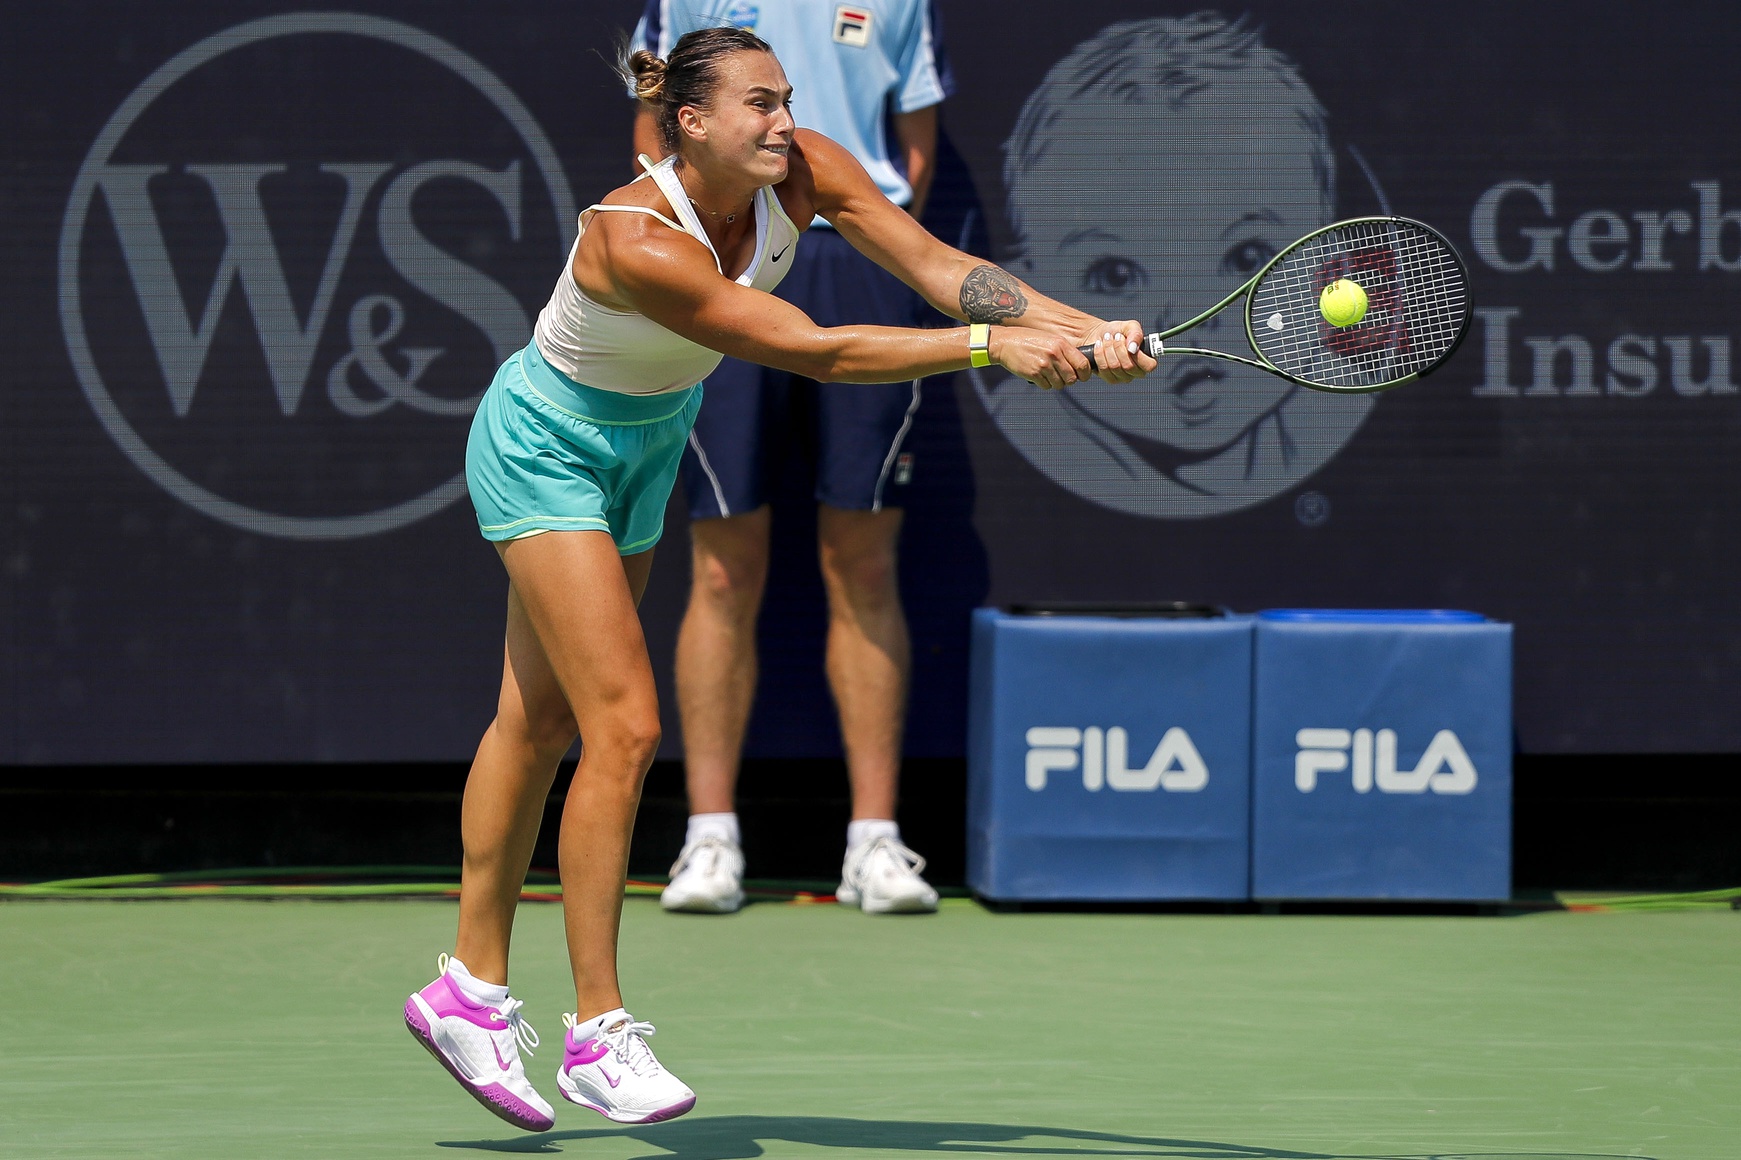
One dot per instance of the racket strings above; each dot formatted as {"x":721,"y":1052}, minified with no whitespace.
{"x":1417,"y":306}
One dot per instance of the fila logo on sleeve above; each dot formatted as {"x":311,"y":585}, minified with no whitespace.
{"x":1104,"y":755}
{"x":852,"y":26}
{"x":1444,"y":767}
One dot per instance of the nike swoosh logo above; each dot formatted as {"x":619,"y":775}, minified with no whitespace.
{"x":613,"y":1080}
{"x":498,"y":1052}
{"x":782,"y":253}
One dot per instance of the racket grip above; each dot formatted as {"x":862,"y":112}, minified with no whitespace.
{"x":1150,"y":345}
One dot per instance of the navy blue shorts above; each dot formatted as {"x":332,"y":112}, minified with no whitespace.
{"x":755,"y":417}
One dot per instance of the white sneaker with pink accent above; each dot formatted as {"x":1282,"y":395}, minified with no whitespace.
{"x":608,"y":1067}
{"x":479,"y":1043}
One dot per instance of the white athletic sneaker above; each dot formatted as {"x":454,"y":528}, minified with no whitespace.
{"x":881,"y":876}
{"x":480,"y":1044}
{"x":707,"y":878}
{"x":615,"y":1073}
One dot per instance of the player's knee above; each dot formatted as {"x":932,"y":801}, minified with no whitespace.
{"x":641,"y":737}
{"x":642,"y":752}
{"x":548,"y":734}
{"x":632,"y":741}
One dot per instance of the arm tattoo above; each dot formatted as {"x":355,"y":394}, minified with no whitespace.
{"x":990,"y":295}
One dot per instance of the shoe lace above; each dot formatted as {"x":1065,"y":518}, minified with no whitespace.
{"x":508,"y":1013}
{"x":628,"y":1039}
{"x":713,"y":848}
{"x":901,"y":859}
{"x":523,"y":1033}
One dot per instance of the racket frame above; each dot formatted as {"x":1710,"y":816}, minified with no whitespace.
{"x":1155,"y":344}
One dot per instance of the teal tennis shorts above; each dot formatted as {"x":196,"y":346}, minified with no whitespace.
{"x":548,"y":454}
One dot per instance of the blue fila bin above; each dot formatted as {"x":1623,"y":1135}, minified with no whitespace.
{"x":1109,"y":758}
{"x":1381,"y":756}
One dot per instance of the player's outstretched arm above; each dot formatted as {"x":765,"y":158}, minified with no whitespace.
{"x":671,"y":278}
{"x":958,"y":284}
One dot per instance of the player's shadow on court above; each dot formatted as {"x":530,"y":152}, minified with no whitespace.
{"x":742,"y":1138}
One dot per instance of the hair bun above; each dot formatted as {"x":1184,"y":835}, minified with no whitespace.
{"x":689,"y":75}
{"x":649,"y":73}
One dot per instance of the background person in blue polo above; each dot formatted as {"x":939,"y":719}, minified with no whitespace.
{"x":861,"y":74}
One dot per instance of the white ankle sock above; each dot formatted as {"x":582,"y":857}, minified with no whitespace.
{"x":591,"y":1028}
{"x":713,"y":826}
{"x":869,"y":830}
{"x":478,"y":991}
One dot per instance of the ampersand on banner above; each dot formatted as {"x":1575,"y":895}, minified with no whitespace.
{"x":367,"y":350}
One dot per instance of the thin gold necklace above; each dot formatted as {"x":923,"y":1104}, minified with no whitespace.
{"x":714,"y":214}
{"x":729,"y":218}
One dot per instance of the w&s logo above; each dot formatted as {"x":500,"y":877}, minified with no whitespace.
{"x":292,"y":260}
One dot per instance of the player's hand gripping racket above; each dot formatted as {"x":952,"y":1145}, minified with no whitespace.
{"x":1416,"y":308}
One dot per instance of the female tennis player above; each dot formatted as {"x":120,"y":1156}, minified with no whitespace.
{"x":571,"y":458}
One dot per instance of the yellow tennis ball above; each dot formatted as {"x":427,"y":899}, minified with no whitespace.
{"x":1343,"y":303}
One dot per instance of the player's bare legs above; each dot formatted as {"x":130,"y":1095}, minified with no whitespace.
{"x":505,"y":794}
{"x":578,"y":598}
{"x":575,"y":657}
{"x":716,"y":653}
{"x":573,"y":661}
{"x":869,"y":654}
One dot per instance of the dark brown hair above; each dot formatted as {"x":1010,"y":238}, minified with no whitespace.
{"x":689,"y":75}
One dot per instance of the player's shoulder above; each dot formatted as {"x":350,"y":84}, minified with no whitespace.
{"x":636,"y":195}
{"x":823,"y":176}
{"x":641,"y":235}
{"x":818,"y":161}
{"x":813,"y":150}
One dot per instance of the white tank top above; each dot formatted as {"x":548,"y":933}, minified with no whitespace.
{"x":617,"y":350}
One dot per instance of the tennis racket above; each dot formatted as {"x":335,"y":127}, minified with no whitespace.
{"x":1417,"y":308}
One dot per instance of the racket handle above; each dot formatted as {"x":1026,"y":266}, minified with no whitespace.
{"x":1150,"y":345}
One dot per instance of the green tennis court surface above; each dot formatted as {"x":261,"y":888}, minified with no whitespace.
{"x":249,"y":1029}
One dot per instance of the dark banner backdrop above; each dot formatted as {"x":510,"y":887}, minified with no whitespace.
{"x":262,"y":259}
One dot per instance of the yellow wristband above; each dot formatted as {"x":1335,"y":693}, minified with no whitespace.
{"x":979,"y":344}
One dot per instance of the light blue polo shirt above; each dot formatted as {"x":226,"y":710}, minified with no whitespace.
{"x":850,"y":64}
